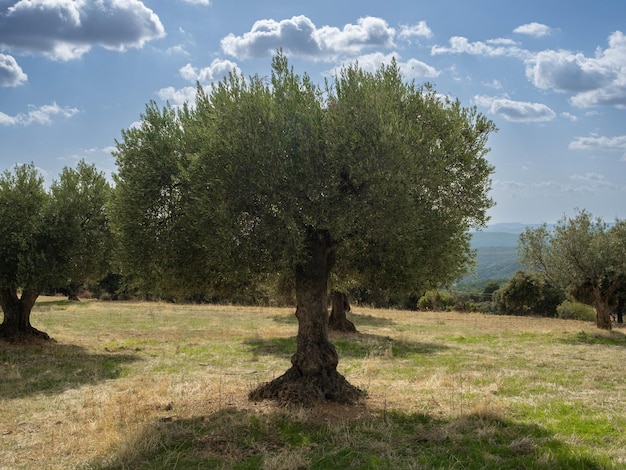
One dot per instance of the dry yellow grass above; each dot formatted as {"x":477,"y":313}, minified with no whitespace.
{"x":119,"y":371}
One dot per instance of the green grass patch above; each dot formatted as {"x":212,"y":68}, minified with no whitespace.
{"x":149,"y":385}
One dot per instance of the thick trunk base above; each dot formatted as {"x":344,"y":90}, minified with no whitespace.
{"x":30,"y":333}
{"x":338,"y":320}
{"x":294,"y":388}
{"x":603,"y":315}
{"x":313,"y":376}
{"x":16,"y":326}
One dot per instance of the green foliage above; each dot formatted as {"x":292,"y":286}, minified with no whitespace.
{"x":520,"y":295}
{"x":81,"y":198}
{"x":528,"y":294}
{"x":582,"y":254}
{"x":210,"y":197}
{"x":26,"y":250}
{"x":51,"y":239}
{"x":571,"y":310}
{"x":436,"y":300}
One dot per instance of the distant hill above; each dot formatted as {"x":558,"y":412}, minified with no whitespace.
{"x":496,"y":251}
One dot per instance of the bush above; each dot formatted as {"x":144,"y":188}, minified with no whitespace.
{"x":435,"y":300}
{"x":569,"y":310}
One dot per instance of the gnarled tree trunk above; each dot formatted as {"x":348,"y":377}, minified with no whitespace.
{"x":338,"y":320}
{"x":313,"y":374}
{"x":603,"y":311}
{"x":16,"y":325}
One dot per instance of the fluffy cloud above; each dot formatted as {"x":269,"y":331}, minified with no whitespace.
{"x":67,"y":29}
{"x":533,"y":29}
{"x":516,"y":111}
{"x":216,"y":71}
{"x":419,"y":30}
{"x":178,"y":96}
{"x":11,"y":73}
{"x":37,"y":115}
{"x":564,"y":71}
{"x":299,"y":36}
{"x":601,"y":143}
{"x":594,"y":81}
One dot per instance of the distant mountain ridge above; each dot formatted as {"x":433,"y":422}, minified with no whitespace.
{"x":496,"y":251}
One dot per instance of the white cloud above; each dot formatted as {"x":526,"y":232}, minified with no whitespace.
{"x":300,"y":37}
{"x":600,"y":143}
{"x":595,"y":81}
{"x":37,"y":115}
{"x":11,"y":73}
{"x":419,"y":30}
{"x":595,"y":181}
{"x":216,"y":71}
{"x":564,"y":71}
{"x":569,"y":117}
{"x":177,"y":50}
{"x":495,"y":84}
{"x":67,"y":29}
{"x":178,"y":97}
{"x":533,"y":29}
{"x":516,"y":111}
{"x":500,"y":47}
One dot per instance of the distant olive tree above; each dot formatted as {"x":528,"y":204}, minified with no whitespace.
{"x":582,"y":254}
{"x":47,"y":239}
{"x":528,"y":294}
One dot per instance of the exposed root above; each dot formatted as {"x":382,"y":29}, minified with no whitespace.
{"x":342,"y":325}
{"x":20,"y":336}
{"x":292,"y":388}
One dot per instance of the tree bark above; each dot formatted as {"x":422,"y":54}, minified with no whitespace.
{"x":603,"y":311}
{"x":338,"y":320}
{"x":72,"y":292}
{"x":16,"y":325}
{"x":313,"y":374}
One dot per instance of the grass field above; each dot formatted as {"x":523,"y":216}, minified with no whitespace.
{"x":162,"y":386}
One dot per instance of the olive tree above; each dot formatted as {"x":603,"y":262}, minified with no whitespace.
{"x":40,"y":244}
{"x":81,"y":196}
{"x":368,"y":178}
{"x":584,"y":255}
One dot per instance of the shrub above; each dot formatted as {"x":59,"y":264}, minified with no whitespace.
{"x":575,"y":311}
{"x":435,"y":300}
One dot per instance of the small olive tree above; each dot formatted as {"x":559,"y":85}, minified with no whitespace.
{"x":47,"y":238}
{"x":584,"y":255}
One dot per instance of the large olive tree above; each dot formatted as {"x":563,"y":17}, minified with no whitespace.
{"x":582,"y":254}
{"x":371,"y":178}
{"x":47,"y":238}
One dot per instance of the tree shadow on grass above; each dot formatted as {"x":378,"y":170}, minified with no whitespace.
{"x":348,"y":345}
{"x":350,"y":437}
{"x":51,"y":368}
{"x":606,"y":338}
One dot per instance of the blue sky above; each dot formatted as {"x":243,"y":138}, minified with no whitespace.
{"x":550,"y":74}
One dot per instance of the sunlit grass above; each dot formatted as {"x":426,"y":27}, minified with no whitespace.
{"x":155,"y":385}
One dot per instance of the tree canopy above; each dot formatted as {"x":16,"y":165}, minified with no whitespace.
{"x":582,"y":254}
{"x":392,"y":172}
{"x":371,"y":178}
